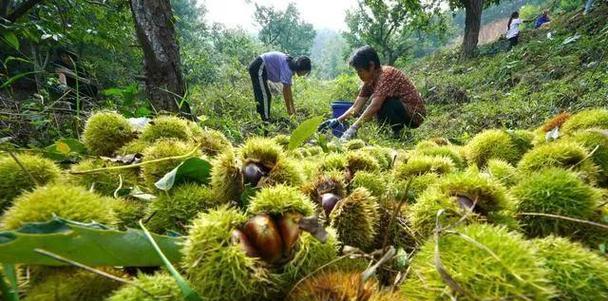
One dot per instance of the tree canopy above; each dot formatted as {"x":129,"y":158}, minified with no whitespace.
{"x":284,"y":29}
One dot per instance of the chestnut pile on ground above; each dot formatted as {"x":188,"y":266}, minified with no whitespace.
{"x":508,"y":215}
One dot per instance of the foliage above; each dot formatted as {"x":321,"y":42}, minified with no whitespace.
{"x":81,"y":242}
{"x":284,"y":29}
{"x":538,"y":79}
{"x":328,"y":55}
{"x":393,"y":28}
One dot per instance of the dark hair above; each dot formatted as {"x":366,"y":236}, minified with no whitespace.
{"x":302,"y":63}
{"x":514,"y":15}
{"x":363,"y":57}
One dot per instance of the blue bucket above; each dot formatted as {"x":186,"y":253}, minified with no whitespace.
{"x":338,"y":108}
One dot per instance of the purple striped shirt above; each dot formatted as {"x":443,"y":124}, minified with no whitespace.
{"x":277,"y":67}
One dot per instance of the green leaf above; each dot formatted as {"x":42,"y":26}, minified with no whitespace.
{"x":9,"y":290}
{"x":188,"y":293}
{"x":65,"y":149}
{"x":323,"y":142}
{"x":143,"y":112}
{"x":12,"y":40}
{"x":90,"y":244}
{"x":191,"y":170}
{"x":17,"y":59}
{"x":304,"y":131}
{"x":17,"y":77}
{"x":112,"y":92}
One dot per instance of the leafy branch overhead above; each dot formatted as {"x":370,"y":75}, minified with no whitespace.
{"x":284,"y":29}
{"x":393,"y":27}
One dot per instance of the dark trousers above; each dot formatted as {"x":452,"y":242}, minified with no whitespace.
{"x":258,"y":74}
{"x":513,"y":41}
{"x":393,"y":114}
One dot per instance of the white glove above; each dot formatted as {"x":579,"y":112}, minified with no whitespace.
{"x":349,"y":134}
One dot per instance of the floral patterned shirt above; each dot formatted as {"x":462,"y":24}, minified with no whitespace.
{"x":393,"y":83}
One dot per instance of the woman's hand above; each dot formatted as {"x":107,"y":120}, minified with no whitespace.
{"x":329,"y":124}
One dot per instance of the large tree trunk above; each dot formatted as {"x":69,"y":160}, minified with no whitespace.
{"x":472,"y":25}
{"x":156,"y":34}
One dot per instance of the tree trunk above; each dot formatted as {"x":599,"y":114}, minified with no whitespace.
{"x":473,"y":9}
{"x":156,"y":34}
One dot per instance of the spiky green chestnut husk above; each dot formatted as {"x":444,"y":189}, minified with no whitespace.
{"x":334,"y":285}
{"x":334,"y":161}
{"x":219,"y":269}
{"x":353,"y":144}
{"x":558,"y":192}
{"x":595,"y":118}
{"x":490,"y":196}
{"x":449,"y":151}
{"x":425,"y":144}
{"x":174,"y":210}
{"x":419,"y":165}
{"x":314,"y":150}
{"x":577,"y":273}
{"x":128,"y":212}
{"x":279,"y":199}
{"x":331,"y":182}
{"x":14,"y":180}
{"x":162,"y":149}
{"x":419,"y":184}
{"x":310,"y":167}
{"x":563,"y":154}
{"x":522,"y":139}
{"x":285,"y":171}
{"x":375,"y":182}
{"x":384,"y":155}
{"x":355,"y":219}
{"x":298,"y":153}
{"x":136,"y":146}
{"x":310,"y":256}
{"x":502,"y":171}
{"x":398,"y":234}
{"x":491,"y":264}
{"x":492,"y":144}
{"x":104,"y":182}
{"x":159,"y":284}
{"x":167,"y":127}
{"x":596,"y":141}
{"x":360,"y":161}
{"x":492,"y":203}
{"x":226,"y":177}
{"x":282,"y":140}
{"x":69,"y":202}
{"x":212,"y":142}
{"x":311,"y":253}
{"x":106,"y":132}
{"x":71,"y":284}
{"x":261,"y":150}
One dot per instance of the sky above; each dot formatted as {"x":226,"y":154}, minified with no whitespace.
{"x":322,"y":14}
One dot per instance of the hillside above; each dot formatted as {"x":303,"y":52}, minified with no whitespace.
{"x":560,"y":68}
